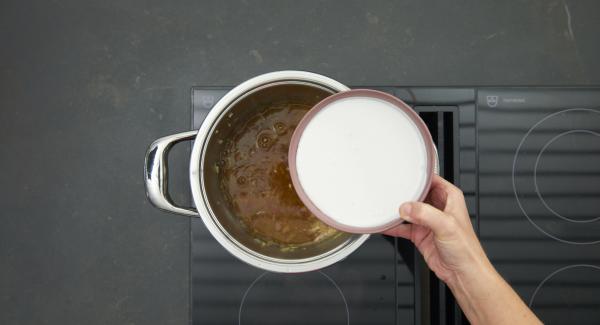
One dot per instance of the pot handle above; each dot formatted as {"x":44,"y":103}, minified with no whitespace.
{"x":155,"y":173}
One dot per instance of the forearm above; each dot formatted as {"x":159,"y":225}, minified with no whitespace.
{"x":486,"y":298}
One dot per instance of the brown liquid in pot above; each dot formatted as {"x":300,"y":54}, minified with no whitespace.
{"x":254,"y":176}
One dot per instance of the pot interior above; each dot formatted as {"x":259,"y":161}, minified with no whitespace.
{"x":218,"y":158}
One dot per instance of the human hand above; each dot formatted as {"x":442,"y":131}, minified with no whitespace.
{"x":442,"y":231}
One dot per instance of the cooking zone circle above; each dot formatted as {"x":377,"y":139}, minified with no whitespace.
{"x":535,"y":172}
{"x":561,"y":294}
{"x":556,"y":189}
{"x":286,"y":299}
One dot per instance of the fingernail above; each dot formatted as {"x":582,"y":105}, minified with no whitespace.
{"x":405,"y":211}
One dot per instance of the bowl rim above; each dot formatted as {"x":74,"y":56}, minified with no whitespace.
{"x":370,"y":93}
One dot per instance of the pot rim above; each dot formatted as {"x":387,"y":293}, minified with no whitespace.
{"x":197,"y":182}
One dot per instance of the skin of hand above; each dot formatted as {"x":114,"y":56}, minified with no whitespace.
{"x":442,"y":231}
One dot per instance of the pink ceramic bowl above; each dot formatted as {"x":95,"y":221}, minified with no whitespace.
{"x":399,"y":104}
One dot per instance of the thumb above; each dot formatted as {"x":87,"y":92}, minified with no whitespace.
{"x":426,"y":215}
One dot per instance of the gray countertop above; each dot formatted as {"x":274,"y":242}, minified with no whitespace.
{"x":86,"y":86}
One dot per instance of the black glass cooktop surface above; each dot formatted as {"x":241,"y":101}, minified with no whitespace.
{"x":539,"y":172}
{"x":528,"y":161}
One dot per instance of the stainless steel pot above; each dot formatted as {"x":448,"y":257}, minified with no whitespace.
{"x":236,"y":106}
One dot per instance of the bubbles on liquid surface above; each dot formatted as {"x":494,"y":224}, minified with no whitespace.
{"x":280,"y":128}
{"x":264,"y":140}
{"x":254,"y":176}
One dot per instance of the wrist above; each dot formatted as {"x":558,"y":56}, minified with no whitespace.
{"x":477,"y":269}
{"x":478,"y":291}
{"x":485,"y":298}
{"x":477,"y":276}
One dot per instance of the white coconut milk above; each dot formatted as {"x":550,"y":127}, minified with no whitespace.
{"x":359,"y":159}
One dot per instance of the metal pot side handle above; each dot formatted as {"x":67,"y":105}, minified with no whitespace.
{"x":155,"y":173}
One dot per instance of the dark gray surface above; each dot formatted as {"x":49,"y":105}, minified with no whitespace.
{"x":528,"y":150}
{"x":85,"y":87}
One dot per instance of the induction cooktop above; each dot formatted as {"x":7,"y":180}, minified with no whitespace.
{"x":528,"y":161}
